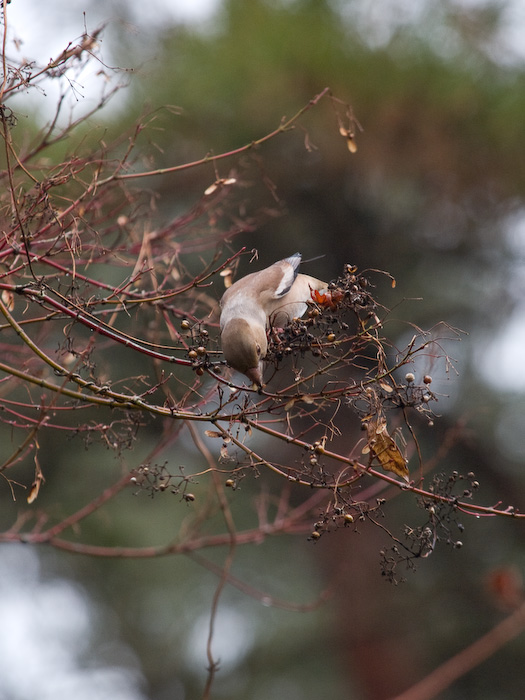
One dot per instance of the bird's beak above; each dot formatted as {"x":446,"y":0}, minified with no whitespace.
{"x":255,"y":374}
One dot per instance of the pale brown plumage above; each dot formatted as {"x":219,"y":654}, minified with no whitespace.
{"x":264,"y":299}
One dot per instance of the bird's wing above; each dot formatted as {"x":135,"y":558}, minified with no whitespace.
{"x":254,"y":295}
{"x":284,"y":274}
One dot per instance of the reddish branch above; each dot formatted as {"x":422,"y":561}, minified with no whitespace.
{"x":469,"y":658}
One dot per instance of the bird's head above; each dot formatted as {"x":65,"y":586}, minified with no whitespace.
{"x":244,"y":345}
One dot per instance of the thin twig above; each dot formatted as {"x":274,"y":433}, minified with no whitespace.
{"x":469,"y":658}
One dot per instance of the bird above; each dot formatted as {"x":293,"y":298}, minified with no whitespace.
{"x":270,"y":298}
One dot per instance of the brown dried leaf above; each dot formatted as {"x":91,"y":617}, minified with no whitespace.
{"x":227,"y":274}
{"x":33,"y":493}
{"x":349,"y":135}
{"x":213,"y":433}
{"x":219,"y":183}
{"x":9,"y":299}
{"x":35,"y":486}
{"x":352,"y":146}
{"x":210,"y":190}
{"x":384,"y":448}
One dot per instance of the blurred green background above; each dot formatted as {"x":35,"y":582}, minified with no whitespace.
{"x":435,"y":196}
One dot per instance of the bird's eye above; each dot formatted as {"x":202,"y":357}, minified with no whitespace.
{"x":258,"y":349}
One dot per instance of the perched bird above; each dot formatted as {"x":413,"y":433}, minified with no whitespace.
{"x":261,"y":300}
